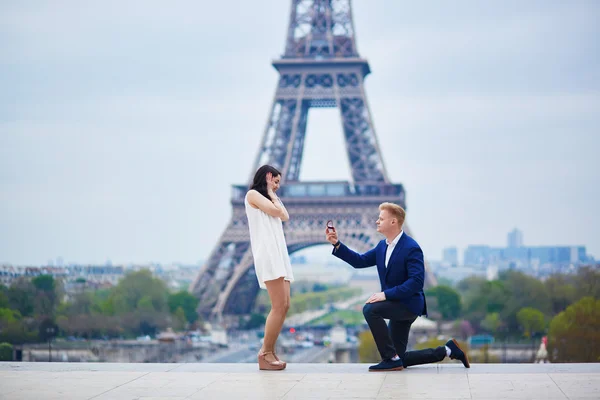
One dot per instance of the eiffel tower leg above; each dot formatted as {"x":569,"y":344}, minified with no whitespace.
{"x":361,"y":141}
{"x":232,"y":248}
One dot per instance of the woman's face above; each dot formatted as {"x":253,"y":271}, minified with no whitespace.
{"x":276,"y":182}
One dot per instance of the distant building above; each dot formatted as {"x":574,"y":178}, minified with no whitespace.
{"x":515,"y":239}
{"x":540,"y":260}
{"x":450,"y":256}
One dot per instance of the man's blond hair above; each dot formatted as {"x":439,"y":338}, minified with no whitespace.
{"x":396,"y":211}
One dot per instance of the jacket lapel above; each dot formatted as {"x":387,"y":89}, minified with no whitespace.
{"x":399,"y":246}
{"x":381,"y":259}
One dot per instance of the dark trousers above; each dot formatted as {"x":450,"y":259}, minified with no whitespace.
{"x":392,"y":339}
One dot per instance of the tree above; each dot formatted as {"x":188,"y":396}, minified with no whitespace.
{"x":126,"y":296}
{"x":448,"y":301}
{"x":180,"y":319}
{"x":21,"y":296}
{"x":145,"y":304}
{"x":255,"y":321}
{"x":187,"y":302}
{"x":574,"y":334}
{"x":561,"y":291}
{"x":492,"y":323}
{"x":587,"y":282}
{"x":531,"y":320}
{"x":44,"y":283}
{"x":6,"y":352}
{"x":367,"y":349}
{"x":3,"y":297}
{"x":8,"y":315}
{"x":488,"y":298}
{"x":525,"y":291}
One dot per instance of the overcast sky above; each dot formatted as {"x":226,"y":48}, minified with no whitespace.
{"x":123,"y":124}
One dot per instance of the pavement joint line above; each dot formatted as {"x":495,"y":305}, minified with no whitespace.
{"x":118,"y":386}
{"x":564,"y":394}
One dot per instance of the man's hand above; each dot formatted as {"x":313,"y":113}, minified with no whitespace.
{"x":376,"y":297}
{"x":331,"y":236}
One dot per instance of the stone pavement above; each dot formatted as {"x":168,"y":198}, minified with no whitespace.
{"x":104,"y":381}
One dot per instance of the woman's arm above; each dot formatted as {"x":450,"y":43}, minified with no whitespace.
{"x":278,"y":203}
{"x":272,"y":208}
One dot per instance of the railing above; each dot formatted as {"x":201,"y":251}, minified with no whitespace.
{"x":328,"y":189}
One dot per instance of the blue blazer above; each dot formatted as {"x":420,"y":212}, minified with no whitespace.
{"x":404,"y":276}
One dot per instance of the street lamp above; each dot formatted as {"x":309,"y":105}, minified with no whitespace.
{"x":49,"y":335}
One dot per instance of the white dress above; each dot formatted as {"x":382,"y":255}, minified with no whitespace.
{"x":271,"y":258}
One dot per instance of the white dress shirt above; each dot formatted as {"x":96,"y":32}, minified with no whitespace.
{"x":390,"y":248}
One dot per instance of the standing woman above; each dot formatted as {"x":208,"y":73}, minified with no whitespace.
{"x":271,"y":260}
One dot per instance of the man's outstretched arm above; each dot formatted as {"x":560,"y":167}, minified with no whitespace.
{"x":342,"y":252}
{"x":353,"y":258}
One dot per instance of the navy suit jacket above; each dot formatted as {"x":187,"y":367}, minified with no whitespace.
{"x":404,"y":276}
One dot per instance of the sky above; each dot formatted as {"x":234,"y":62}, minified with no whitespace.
{"x":123,"y":125}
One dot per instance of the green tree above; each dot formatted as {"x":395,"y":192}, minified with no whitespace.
{"x":367,"y":349}
{"x":488,"y":297}
{"x":45,"y":283}
{"x":21,"y":296}
{"x":531,"y":320}
{"x":145,"y":304}
{"x":180,"y":319}
{"x":492,"y":323}
{"x":255,"y":321}
{"x":587,"y":282}
{"x":448,"y":301}
{"x":185,"y":301}
{"x":8,"y":315}
{"x":574,"y":334}
{"x":525,"y":291}
{"x":6,"y":352}
{"x":3,"y":297}
{"x":126,"y":296}
{"x":562,"y":292}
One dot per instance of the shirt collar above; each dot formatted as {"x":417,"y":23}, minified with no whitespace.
{"x":396,"y":239}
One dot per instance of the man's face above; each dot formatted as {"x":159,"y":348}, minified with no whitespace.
{"x":385,"y":222}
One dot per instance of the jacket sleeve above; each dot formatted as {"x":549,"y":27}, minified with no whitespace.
{"x":353,"y":258}
{"x":416,"y":277}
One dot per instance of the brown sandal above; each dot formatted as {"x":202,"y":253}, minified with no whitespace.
{"x":264,"y":364}
{"x":277,"y":358}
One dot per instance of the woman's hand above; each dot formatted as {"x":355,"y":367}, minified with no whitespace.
{"x":271,"y":186}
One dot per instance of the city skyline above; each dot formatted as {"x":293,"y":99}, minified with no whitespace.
{"x":122,"y":128}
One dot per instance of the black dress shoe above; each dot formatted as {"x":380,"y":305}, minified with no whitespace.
{"x":457,"y":354}
{"x":387,"y":365}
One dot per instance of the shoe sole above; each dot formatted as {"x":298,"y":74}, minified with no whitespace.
{"x":467,"y":363}
{"x":387,"y":370}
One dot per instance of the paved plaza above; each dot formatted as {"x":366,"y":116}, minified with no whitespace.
{"x":106,"y":381}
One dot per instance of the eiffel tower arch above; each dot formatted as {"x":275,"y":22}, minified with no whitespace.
{"x":320,"y":68}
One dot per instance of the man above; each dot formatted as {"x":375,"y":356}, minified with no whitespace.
{"x":401,"y":269}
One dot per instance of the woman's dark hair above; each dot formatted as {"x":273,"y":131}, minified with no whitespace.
{"x":259,"y":183}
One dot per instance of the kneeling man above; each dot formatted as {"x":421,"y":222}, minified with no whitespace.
{"x":401,"y":269}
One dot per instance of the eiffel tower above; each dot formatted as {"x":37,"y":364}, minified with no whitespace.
{"x":321,"y":67}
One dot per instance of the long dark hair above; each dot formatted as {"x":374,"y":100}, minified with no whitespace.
{"x":259,"y":183}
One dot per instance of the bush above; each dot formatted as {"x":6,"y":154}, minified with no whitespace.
{"x":575,"y":333}
{"x":6,"y":352}
{"x":367,"y":349}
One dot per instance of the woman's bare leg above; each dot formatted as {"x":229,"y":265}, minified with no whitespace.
{"x":279,"y":295}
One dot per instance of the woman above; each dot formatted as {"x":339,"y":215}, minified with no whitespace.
{"x":271,"y":260}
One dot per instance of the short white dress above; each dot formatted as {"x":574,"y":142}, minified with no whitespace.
{"x":271,"y":258}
